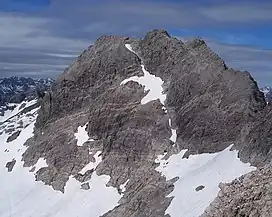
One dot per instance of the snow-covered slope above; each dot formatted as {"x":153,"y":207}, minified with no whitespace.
{"x":22,"y":196}
{"x":16,"y":120}
{"x":199,"y":178}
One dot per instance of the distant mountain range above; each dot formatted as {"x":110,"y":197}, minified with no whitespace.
{"x":17,"y":89}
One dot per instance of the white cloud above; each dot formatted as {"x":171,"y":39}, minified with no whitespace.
{"x":62,"y":55}
{"x":30,"y":48}
{"x":58,"y":34}
{"x":18,"y":31}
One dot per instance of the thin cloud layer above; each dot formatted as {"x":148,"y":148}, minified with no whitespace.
{"x":256,"y":61}
{"x":44,"y":43}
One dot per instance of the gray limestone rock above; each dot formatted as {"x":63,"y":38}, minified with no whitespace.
{"x":257,"y":135}
{"x":249,"y":195}
{"x":85,"y":186}
{"x":13,"y":136}
{"x":212,"y":103}
{"x":10,"y":165}
{"x":200,"y":188}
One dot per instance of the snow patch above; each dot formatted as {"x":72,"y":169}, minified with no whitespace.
{"x":173,"y":137}
{"x":15,"y":148}
{"x":123,"y":186}
{"x":199,"y":170}
{"x":82,"y":135}
{"x":40,"y":164}
{"x":151,"y":83}
{"x":92,"y":165}
{"x":129,"y":47}
{"x":77,"y":202}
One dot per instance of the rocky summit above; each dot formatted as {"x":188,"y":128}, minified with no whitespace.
{"x":151,"y":127}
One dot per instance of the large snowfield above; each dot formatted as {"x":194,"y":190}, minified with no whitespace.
{"x":203,"y":170}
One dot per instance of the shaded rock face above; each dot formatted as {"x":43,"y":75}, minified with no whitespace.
{"x":211,"y":102}
{"x":208,"y":104}
{"x":98,"y":68}
{"x":255,"y":141}
{"x":249,"y":195}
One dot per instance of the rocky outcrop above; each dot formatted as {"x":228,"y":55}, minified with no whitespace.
{"x":208,"y":104}
{"x":10,"y":165}
{"x":255,"y":141}
{"x":13,"y":125}
{"x":249,"y":195}
{"x":85,"y":186}
{"x":13,"y":136}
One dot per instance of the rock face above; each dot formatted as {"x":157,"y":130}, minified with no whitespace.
{"x":209,"y":105}
{"x":200,"y":188}
{"x":255,"y":139}
{"x":249,"y":195}
{"x":13,"y":136}
{"x":85,"y":186}
{"x":10,"y":165}
{"x":211,"y":102}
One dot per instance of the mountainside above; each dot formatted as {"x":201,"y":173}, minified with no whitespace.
{"x":142,"y":128}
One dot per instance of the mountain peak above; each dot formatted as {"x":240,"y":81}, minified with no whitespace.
{"x":158,"y":33}
{"x":134,"y":126}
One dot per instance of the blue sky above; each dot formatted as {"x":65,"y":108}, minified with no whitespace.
{"x":39,"y":38}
